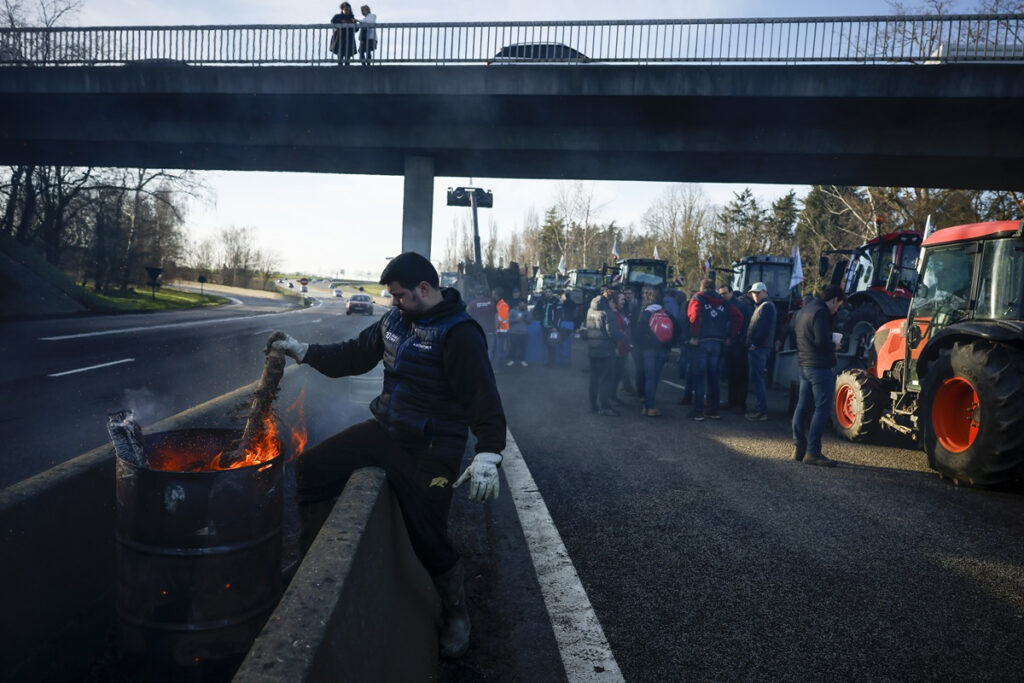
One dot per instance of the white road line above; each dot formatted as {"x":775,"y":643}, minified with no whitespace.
{"x":585,"y":652}
{"x":192,"y":323}
{"x":673,"y":384}
{"x":92,"y":367}
{"x":269,"y":329}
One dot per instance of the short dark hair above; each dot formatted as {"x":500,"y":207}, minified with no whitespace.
{"x":829,"y":292}
{"x":409,"y":269}
{"x":707,"y":282}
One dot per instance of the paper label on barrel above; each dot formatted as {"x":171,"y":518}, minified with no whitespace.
{"x":173,"y":497}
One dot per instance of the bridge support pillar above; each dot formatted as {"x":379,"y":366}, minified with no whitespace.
{"x":418,"y":205}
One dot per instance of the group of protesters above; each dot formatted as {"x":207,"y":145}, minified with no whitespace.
{"x":716,"y":330}
{"x":720,"y":333}
{"x":506,"y":324}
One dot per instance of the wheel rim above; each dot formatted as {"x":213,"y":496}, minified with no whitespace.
{"x":956,"y":414}
{"x":846,"y":413}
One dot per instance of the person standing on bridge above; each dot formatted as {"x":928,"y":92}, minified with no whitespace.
{"x":438,"y":384}
{"x":367,"y":35}
{"x":343,"y":40}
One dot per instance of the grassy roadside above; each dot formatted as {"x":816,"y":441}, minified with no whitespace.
{"x":164,"y":300}
{"x":97,"y":302}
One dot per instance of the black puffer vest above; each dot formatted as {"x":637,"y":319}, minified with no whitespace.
{"x":417,"y":405}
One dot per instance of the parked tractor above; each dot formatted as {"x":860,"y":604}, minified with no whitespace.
{"x":582,"y":287}
{"x":879,"y":280}
{"x":776,"y":272}
{"x":951,"y":373}
{"x":635,"y":273}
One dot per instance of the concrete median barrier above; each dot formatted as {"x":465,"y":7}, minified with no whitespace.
{"x":360,"y":607}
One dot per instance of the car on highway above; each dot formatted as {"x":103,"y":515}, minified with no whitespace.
{"x":359,"y":303}
{"x":538,"y":53}
{"x":304,"y":289}
{"x":339,"y":294}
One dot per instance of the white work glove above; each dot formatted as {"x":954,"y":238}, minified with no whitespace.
{"x":289,"y":346}
{"x":483,"y":476}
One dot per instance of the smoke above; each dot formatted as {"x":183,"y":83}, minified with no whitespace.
{"x":148,"y":408}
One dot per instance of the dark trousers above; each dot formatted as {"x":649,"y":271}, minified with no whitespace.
{"x":817,"y":385}
{"x":639,"y":370}
{"x":551,"y":344}
{"x":366,"y":48}
{"x":420,"y":475}
{"x":705,"y":374}
{"x":602,"y":382}
{"x":738,"y":377}
{"x":517,"y":347}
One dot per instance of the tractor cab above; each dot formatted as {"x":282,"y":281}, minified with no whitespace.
{"x":636,"y":273}
{"x":582,"y":286}
{"x":885,"y":264}
{"x":776,"y":272}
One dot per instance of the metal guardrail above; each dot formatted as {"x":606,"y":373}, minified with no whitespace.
{"x":866,"y":40}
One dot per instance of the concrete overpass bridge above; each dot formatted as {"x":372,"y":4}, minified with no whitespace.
{"x":912,"y":101}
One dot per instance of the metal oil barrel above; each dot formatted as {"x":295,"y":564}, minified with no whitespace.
{"x":199,"y":554}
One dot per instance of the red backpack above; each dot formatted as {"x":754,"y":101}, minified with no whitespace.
{"x":661,"y":326}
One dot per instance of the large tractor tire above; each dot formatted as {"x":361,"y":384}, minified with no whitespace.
{"x":970,"y":414}
{"x":859,"y":333}
{"x":856,"y":405}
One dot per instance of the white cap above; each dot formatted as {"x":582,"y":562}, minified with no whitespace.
{"x":758,"y":287}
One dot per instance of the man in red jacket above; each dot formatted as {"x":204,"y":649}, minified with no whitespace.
{"x":713,"y":323}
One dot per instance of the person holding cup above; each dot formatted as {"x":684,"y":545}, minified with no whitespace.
{"x":816,"y":353}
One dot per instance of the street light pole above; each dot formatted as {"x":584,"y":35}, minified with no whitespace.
{"x":473,"y":197}
{"x":476,"y":229}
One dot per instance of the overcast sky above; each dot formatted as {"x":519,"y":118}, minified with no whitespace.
{"x":320,"y":223}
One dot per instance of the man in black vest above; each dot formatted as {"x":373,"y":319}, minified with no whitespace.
{"x":438,"y":383}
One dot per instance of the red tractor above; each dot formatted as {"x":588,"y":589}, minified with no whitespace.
{"x":951,"y":373}
{"x":879,"y":281}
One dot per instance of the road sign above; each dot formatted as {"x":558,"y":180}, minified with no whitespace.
{"x":304,"y":281}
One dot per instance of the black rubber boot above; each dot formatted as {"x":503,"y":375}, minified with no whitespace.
{"x":819,"y":460}
{"x":454,"y":637}
{"x":798,"y":453}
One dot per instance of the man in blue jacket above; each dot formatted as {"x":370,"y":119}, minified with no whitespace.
{"x":760,"y":336}
{"x":438,"y":384}
{"x":816,"y":354}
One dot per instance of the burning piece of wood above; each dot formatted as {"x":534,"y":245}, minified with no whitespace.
{"x":126,"y":435}
{"x":261,"y":409}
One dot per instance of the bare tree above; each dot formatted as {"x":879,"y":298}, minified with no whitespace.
{"x":490,"y":251}
{"x":237,"y":247}
{"x":577,"y":207}
{"x":267,"y":263}
{"x":678,"y":221}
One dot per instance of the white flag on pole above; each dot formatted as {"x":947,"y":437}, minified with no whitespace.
{"x":928,"y":227}
{"x":798,"y":269}
{"x":561,"y":266}
{"x":655,"y":252}
{"x":615,"y":248}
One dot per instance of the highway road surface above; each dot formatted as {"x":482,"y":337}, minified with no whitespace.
{"x":621,"y":548}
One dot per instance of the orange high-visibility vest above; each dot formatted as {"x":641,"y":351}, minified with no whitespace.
{"x":502,"y":316}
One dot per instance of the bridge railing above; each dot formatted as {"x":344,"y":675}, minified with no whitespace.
{"x":871,"y":40}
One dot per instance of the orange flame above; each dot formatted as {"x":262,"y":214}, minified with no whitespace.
{"x":297,"y":413}
{"x":265,"y":448}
